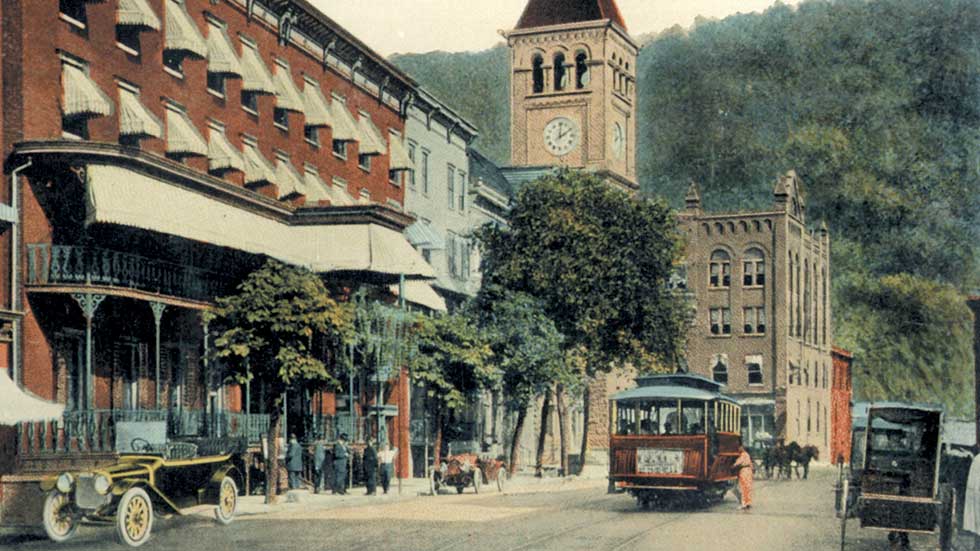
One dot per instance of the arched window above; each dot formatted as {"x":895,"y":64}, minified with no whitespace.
{"x":806,"y":300}
{"x":561,"y":72}
{"x":720,"y":270}
{"x":582,"y":76}
{"x":753,"y":365}
{"x":754,"y":268}
{"x":537,"y":74}
{"x":719,"y":369}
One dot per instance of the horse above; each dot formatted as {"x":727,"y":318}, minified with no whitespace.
{"x":799,"y":456}
{"x":775,"y":461}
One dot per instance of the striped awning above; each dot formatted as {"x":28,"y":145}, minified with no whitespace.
{"x":398,"y":154}
{"x":81,"y":95}
{"x":372,"y":143}
{"x":182,"y":33}
{"x":221,"y":54}
{"x":288,"y":180}
{"x":255,"y":74}
{"x":339,"y":195}
{"x":345,"y":128}
{"x":421,"y":294}
{"x":316,"y":109}
{"x":221,"y":154}
{"x":258,"y":169}
{"x":135,"y":119}
{"x":422,"y":235}
{"x":137,"y":13}
{"x":287,"y":94}
{"x":182,"y":137}
{"x":20,"y":406}
{"x":316,"y":189}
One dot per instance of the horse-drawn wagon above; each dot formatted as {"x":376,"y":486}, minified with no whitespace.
{"x":468,"y":469}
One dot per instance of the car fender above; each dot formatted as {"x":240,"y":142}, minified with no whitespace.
{"x":120,"y":487}
{"x":214,"y":485}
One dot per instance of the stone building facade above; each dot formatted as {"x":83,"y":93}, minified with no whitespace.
{"x":761,"y":313}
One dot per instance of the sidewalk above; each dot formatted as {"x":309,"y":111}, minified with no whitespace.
{"x":412,"y":488}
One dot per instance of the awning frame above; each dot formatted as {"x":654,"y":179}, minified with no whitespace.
{"x":222,"y":59}
{"x":183,"y":138}
{"x":81,"y":96}
{"x":398,"y":157}
{"x":135,"y":119}
{"x":372,"y":143}
{"x":288,"y":96}
{"x":182,"y":34}
{"x":137,"y":13}
{"x":256,"y":77}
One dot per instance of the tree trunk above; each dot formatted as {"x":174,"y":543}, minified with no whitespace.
{"x":585,"y":430}
{"x":542,"y":434}
{"x":272,"y":461}
{"x":437,"y":444}
{"x":515,"y":442}
{"x":562,"y":427}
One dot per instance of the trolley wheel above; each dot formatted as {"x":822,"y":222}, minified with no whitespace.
{"x":947,"y":522}
{"x":843,"y":516}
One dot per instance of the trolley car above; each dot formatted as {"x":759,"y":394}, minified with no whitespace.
{"x":673,"y":436}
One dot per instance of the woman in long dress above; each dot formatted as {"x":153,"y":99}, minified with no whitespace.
{"x":743,"y":466}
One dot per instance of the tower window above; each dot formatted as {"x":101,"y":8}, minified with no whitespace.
{"x":537,"y":74}
{"x":582,"y":76}
{"x":561,"y":72}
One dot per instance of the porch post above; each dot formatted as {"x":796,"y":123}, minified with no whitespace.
{"x":89,"y":304}
{"x":209,"y":411}
{"x":158,"y":308}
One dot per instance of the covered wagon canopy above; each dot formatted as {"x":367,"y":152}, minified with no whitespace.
{"x":19,"y":406}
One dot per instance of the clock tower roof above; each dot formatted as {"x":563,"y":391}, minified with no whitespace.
{"x":544,"y":13}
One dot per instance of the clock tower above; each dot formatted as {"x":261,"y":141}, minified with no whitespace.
{"x":573,"y":89}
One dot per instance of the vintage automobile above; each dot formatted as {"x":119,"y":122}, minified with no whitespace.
{"x":468,"y":469}
{"x":131,"y":492}
{"x":673,"y":436}
{"x":894,"y":481}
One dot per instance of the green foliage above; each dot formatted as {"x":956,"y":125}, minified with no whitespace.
{"x":598,"y":260}
{"x":451,"y":360}
{"x":527,"y":347}
{"x":281,"y":328}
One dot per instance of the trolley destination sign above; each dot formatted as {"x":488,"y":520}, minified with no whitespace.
{"x":658,"y":461}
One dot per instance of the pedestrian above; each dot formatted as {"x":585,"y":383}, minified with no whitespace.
{"x":319,"y":458}
{"x":370,"y":464}
{"x":743,"y":468}
{"x":387,"y":459}
{"x":294,"y":462}
{"x":340,"y":454}
{"x":971,"y":502}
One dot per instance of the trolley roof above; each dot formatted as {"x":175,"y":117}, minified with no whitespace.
{"x":678,"y":386}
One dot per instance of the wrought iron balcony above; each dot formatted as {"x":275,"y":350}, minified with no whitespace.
{"x":73,"y":265}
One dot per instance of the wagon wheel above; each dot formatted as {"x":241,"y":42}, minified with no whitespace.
{"x":477,"y":479}
{"x":947,"y":522}
{"x":227,"y":501}
{"x":134,"y":517}
{"x":843,"y":511}
{"x":59,"y":523}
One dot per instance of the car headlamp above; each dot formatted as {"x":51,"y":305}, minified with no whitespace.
{"x":64,"y":483}
{"x":101,"y":484}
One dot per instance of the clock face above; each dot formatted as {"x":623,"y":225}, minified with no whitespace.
{"x":618,"y":140}
{"x":561,"y":136}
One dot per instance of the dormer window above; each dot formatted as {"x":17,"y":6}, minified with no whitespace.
{"x":582,"y":76}
{"x":537,"y":74}
{"x":561,"y":72}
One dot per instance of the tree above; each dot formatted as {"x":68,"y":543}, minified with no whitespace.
{"x":451,"y":361}
{"x":282,"y":328}
{"x":598,"y":260}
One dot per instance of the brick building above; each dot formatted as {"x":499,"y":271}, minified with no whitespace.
{"x":840,"y":405}
{"x":761,"y":325}
{"x":156,"y":152}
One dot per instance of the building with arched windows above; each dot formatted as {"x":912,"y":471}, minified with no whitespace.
{"x":761,"y":314}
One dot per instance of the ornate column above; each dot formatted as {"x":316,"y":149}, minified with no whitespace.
{"x":158,"y":309}
{"x":90,"y":304}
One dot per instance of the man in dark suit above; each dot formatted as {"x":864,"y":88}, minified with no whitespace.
{"x":371,"y":469}
{"x":340,"y":454}
{"x":294,"y":462}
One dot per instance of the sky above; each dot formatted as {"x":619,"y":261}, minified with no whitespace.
{"x":417,"y":26}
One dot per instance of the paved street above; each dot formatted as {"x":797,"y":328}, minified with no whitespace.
{"x":567,"y":517}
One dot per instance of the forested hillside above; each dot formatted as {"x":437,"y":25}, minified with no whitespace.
{"x":877,"y":106}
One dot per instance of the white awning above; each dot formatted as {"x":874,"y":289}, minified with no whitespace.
{"x":255,"y":75}
{"x":182,"y":33}
{"x":398,"y":158}
{"x":81,"y":95}
{"x":221,"y":154}
{"x":340,"y":196}
{"x":19,"y":406}
{"x":316,"y":109}
{"x":137,"y":13}
{"x":221,"y":54}
{"x":422,"y":294}
{"x":134,"y":118}
{"x":372,"y":143}
{"x":345,"y":128}
{"x":288,"y":180}
{"x":257,"y":167}
{"x":122,"y":196}
{"x":182,"y":137}
{"x":316,"y":189}
{"x":287,"y":94}
{"x":421,"y":234}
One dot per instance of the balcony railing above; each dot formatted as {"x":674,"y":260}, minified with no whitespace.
{"x":69,"y":264}
{"x":94,"y":430}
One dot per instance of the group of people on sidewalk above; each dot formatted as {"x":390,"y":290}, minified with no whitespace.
{"x":375,"y":464}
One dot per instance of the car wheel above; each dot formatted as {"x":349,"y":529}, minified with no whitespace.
{"x":227,"y":501}
{"x":134,"y":517}
{"x":59,"y":523}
